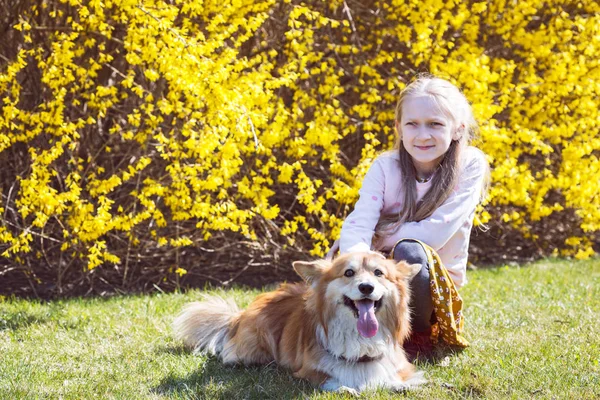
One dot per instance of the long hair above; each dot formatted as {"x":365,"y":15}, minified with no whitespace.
{"x":453,"y":104}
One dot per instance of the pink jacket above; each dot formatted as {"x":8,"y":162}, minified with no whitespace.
{"x":447,"y":230}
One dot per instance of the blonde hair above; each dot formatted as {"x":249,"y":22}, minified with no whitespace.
{"x":453,"y":103}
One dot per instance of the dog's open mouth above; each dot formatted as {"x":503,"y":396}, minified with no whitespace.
{"x":352,"y":304}
{"x":364,"y":310}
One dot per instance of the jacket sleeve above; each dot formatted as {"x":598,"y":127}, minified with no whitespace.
{"x":438,"y":228}
{"x":359,"y":227}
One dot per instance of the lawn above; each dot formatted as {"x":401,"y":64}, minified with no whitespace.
{"x":534,"y":331}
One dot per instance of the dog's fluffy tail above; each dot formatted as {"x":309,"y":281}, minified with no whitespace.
{"x":204,"y":325}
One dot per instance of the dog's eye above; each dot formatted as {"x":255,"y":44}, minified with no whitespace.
{"x":378,"y":272}
{"x":349,"y":273}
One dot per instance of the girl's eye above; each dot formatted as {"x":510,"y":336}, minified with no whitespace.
{"x":436,"y":124}
{"x":349,"y":273}
{"x":378,"y":272}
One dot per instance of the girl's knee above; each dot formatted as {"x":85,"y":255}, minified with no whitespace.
{"x":410,"y":251}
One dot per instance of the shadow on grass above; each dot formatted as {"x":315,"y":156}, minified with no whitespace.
{"x":176,"y":350}
{"x":19,"y":320}
{"x":213,"y":380}
{"x":439,"y":355}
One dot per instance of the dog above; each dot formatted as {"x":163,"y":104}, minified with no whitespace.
{"x":342,"y":328}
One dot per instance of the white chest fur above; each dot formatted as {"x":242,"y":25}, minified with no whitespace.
{"x":344,"y":345}
{"x":344,"y":341}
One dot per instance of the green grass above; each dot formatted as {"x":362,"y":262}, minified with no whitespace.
{"x":534,"y":332}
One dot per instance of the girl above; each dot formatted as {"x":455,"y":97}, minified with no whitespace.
{"x":417,"y":203}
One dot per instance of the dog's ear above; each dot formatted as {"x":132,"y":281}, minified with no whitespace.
{"x":310,"y":270}
{"x":408,"y":270}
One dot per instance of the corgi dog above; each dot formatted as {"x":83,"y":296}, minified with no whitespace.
{"x":342,"y":328}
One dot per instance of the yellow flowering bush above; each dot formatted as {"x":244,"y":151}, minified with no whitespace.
{"x":140,"y":139}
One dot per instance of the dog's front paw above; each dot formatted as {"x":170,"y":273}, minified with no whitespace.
{"x":416,"y":380}
{"x":331,"y":385}
{"x":348,"y":390}
{"x":399,"y":387}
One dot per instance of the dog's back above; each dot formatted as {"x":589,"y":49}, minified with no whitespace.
{"x":253,"y":336}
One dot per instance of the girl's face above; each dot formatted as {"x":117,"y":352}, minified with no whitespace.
{"x":426,"y":133}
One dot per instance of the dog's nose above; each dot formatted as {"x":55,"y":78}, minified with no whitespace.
{"x":366,"y":288}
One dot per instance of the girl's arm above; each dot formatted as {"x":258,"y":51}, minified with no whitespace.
{"x":437,"y":229}
{"x":358,"y":227}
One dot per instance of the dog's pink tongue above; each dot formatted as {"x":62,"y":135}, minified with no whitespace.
{"x":367,"y":322}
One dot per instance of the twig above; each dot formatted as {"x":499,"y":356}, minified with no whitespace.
{"x":347,"y":11}
{"x":70,"y":29}
{"x":116,"y":71}
{"x":212,"y":278}
{"x":59,"y":284}
{"x":253,"y":133}
{"x":177,"y":256}
{"x":29,"y":279}
{"x":170,"y":29}
{"x":8,"y":199}
{"x":228,"y":281}
{"x":27,"y":230}
{"x":158,"y":288}
{"x":5,"y":271}
{"x":137,"y":186}
{"x":251,"y":244}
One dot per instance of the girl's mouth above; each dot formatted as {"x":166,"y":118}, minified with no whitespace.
{"x":424,"y":147}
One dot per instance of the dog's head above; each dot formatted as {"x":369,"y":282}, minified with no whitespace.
{"x":364,"y":286}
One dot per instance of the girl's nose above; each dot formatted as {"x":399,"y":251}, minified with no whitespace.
{"x":423,"y":132}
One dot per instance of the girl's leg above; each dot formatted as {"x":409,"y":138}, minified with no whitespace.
{"x":421,"y":304}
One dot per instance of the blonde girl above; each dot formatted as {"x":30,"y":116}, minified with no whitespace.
{"x":417,"y":203}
